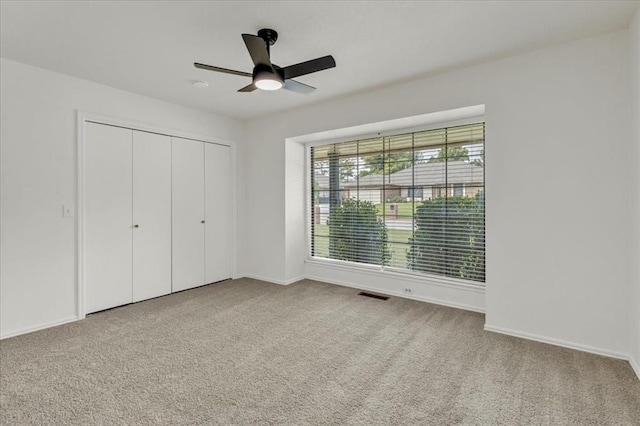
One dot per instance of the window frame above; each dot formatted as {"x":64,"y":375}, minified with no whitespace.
{"x":383,"y":270}
{"x":459,"y":186}
{"x":413,"y":190}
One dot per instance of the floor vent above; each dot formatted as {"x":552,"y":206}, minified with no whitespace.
{"x":374,"y":296}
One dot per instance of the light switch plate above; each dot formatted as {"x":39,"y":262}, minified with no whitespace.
{"x":68,"y":211}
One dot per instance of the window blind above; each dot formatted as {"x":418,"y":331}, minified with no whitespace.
{"x":412,"y":202}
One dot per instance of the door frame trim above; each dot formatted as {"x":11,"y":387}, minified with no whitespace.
{"x":83,"y":117}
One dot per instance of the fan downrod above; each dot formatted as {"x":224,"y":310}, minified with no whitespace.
{"x":268,"y":35}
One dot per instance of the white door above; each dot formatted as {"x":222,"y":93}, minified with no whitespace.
{"x":218,"y":212}
{"x":188,"y":214}
{"x":151,"y":215}
{"x":108,"y":227}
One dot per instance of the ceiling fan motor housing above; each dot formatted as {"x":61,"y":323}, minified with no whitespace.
{"x":262,"y":69}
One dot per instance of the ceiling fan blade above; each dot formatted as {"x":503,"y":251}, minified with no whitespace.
{"x":249,"y":88}
{"x":257,"y":48}
{"x":308,"y":67}
{"x":224,"y":70}
{"x":296,"y":86}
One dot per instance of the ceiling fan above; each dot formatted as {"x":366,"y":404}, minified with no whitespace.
{"x":269,"y":76}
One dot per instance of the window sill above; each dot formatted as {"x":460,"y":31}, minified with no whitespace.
{"x":391,"y":273}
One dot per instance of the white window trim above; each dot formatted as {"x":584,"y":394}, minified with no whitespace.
{"x":398,"y":131}
{"x":313,"y":140}
{"x":397,"y":273}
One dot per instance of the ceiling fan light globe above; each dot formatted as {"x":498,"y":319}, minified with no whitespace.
{"x":268,"y":84}
{"x":268,"y":81}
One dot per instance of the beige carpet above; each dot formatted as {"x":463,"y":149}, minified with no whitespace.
{"x":248,"y":352}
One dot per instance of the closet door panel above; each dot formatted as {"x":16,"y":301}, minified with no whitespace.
{"x":188,"y":214}
{"x":151,"y":215}
{"x":107,"y":221}
{"x":218,"y":213}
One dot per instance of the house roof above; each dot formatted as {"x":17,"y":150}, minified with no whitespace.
{"x":436,"y":173}
{"x":423,"y":174}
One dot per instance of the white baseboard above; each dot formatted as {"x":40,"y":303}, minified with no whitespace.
{"x":398,"y":294}
{"x":635,"y":366}
{"x":557,"y":342}
{"x":272,"y":280}
{"x":38,"y":327}
{"x":373,"y":289}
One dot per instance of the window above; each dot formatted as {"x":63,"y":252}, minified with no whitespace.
{"x":368,"y":204}
{"x":414,"y":193}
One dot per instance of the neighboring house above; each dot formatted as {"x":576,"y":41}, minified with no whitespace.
{"x":321,"y":188}
{"x":421,"y":182}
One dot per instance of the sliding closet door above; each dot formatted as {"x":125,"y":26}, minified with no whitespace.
{"x":188,"y":213}
{"x":107,"y":221}
{"x":151,"y":215}
{"x":218,"y":212}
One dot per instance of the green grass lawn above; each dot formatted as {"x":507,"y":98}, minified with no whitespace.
{"x":404,"y":209}
{"x":398,"y":244}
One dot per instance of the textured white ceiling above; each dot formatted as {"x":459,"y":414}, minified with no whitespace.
{"x":149,"y":47}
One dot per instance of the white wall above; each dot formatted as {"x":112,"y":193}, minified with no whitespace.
{"x":296,"y":204}
{"x":38,"y":147}
{"x":634,"y":49}
{"x":261,"y":234}
{"x":558,"y":125}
